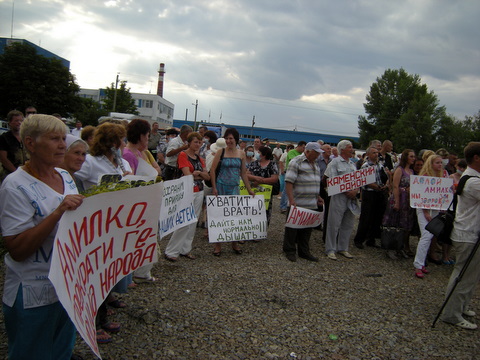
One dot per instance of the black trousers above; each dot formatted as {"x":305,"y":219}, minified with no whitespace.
{"x":369,"y":225}
{"x":294,"y":238}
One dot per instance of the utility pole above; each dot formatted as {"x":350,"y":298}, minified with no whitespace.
{"x":195,"y":120}
{"x":253,"y":123}
{"x":115,"y":94}
{"x":186,"y":114}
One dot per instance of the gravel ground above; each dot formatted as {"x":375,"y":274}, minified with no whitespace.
{"x":259,"y":305}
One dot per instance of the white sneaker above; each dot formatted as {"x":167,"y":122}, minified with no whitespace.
{"x":332,"y":256}
{"x":470,"y":313}
{"x":466,"y":325}
{"x":346,"y":254}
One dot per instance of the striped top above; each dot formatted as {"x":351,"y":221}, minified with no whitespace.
{"x":305,"y":177}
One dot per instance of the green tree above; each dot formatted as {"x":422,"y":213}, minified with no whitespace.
{"x":124,"y":103}
{"x":89,"y":111}
{"x":27,"y":78}
{"x":401,"y":109}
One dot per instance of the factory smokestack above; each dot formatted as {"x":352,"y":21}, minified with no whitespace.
{"x":160,"y":79}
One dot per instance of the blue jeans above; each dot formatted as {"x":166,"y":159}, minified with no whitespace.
{"x":43,"y":333}
{"x":284,"y":201}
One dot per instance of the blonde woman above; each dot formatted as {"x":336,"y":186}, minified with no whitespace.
{"x":433,"y":167}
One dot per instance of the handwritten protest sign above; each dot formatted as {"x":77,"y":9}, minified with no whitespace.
{"x":177,"y":205}
{"x":262,"y":189}
{"x":429,"y":192}
{"x":351,"y":181}
{"x":236,"y":218}
{"x":303,"y":218}
{"x":109,"y":236}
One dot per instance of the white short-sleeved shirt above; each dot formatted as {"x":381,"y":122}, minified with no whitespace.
{"x":24,"y":203}
{"x":173,"y":144}
{"x":466,"y":227}
{"x":95,"y":167}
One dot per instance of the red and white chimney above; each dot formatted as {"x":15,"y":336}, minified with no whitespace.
{"x":160,"y":79}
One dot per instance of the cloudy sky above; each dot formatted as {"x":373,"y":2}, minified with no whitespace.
{"x":304,"y":64}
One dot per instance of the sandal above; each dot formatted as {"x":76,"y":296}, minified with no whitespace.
{"x":112,"y":327}
{"x":140,"y":280}
{"x":103,"y":337}
{"x":117,"y":304}
{"x":466,"y":325}
{"x":170,"y":258}
{"x":189,"y":256}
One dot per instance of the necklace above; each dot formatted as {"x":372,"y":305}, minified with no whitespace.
{"x":32,"y":172}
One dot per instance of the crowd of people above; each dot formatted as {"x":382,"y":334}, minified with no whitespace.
{"x":46,"y":167}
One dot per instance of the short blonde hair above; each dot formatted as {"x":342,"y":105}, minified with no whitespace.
{"x":37,"y":125}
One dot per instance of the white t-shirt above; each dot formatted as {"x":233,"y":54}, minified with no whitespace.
{"x":95,"y":167}
{"x":24,"y":203}
{"x":76,"y":132}
{"x":277,"y":152}
{"x":173,"y":144}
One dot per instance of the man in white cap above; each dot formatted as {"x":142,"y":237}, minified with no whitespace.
{"x":302,"y":186}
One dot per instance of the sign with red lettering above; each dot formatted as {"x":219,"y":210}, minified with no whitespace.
{"x":430,"y":192}
{"x":109,"y":236}
{"x":236,"y":218}
{"x":299,"y":218}
{"x":351,"y":181}
{"x":177,"y":205}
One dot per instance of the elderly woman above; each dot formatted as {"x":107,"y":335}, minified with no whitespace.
{"x":190,"y":163}
{"x":136,"y":152}
{"x":37,"y":325}
{"x":74,"y":158}
{"x":232,"y":169}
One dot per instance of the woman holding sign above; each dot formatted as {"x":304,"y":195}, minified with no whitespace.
{"x":433,"y":167}
{"x":232,"y":167}
{"x":32,"y":201}
{"x":190,"y":163}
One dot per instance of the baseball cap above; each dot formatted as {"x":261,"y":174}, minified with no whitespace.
{"x":314,"y":146}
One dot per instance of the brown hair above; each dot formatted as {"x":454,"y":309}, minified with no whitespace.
{"x":106,"y":136}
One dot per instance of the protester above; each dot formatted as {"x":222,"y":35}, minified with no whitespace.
{"x":232,"y":169}
{"x":105,"y":158}
{"x":190,"y":163}
{"x":75,"y":155}
{"x":398,"y":213}
{"x":433,"y":167}
{"x":142,"y":164}
{"x":37,"y":325}
{"x":373,"y":202}
{"x":77,"y":131}
{"x":302,"y":188}
{"x":249,"y":154}
{"x":136,"y":153}
{"x":283,"y":169}
{"x":12,"y":151}
{"x":298,"y":150}
{"x":87,"y":134}
{"x":154,"y":139}
{"x":460,"y":167}
{"x":277,"y":153}
{"x":465,"y":234}
{"x":340,"y":215}
{"x":264,"y":171}
{"x":175,"y":147}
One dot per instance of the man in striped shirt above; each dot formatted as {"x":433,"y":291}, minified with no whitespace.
{"x":302,"y":186}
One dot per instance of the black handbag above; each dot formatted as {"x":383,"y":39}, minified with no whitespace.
{"x":441,"y":226}
{"x":392,"y":238}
